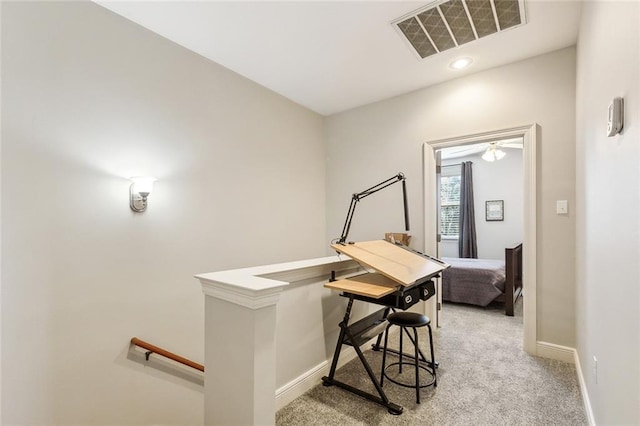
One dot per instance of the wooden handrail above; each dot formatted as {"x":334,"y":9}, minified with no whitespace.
{"x":154,"y":349}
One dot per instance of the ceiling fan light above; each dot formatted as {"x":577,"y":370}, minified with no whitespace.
{"x":489,"y":155}
{"x":493,"y":153}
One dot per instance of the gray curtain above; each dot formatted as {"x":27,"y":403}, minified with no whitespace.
{"x":467,"y":244}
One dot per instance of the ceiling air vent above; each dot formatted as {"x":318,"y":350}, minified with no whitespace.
{"x":443,"y":25}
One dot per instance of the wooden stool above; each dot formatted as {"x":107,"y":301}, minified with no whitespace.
{"x":414,"y":321}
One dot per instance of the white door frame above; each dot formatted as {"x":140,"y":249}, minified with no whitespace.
{"x":529,"y":134}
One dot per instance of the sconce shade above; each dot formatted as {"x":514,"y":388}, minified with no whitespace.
{"x":142,"y":184}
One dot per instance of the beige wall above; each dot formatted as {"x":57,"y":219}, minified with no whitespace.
{"x":90,"y":99}
{"x":608,"y":228}
{"x":368,"y":144}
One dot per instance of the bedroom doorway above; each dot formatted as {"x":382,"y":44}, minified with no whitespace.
{"x":497,"y":182}
{"x":432,"y":157}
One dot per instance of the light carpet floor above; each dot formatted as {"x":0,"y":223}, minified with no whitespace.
{"x":484,"y":378}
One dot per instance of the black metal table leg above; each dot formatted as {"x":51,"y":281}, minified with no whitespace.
{"x":336,"y":353}
{"x":347,"y":337}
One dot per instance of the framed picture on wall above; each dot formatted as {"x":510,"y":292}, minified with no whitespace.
{"x":494,"y":210}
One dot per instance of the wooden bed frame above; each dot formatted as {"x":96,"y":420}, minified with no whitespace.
{"x":513,"y":281}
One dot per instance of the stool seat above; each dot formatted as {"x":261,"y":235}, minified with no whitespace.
{"x":408,"y":319}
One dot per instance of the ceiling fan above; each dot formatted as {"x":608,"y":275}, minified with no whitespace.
{"x":493,"y":147}
{"x":493,"y":151}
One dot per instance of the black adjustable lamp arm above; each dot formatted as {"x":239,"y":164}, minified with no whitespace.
{"x":369,"y":191}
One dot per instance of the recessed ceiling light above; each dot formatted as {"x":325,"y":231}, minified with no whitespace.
{"x":460,"y":63}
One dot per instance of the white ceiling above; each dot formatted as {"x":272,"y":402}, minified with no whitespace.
{"x":331,"y":56}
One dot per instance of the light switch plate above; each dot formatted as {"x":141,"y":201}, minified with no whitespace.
{"x":562,"y":207}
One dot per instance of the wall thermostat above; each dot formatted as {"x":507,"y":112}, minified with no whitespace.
{"x":616,"y":117}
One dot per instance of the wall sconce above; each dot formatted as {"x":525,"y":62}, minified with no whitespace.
{"x":139,"y":190}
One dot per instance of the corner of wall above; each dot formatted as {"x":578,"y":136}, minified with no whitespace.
{"x":583,"y":389}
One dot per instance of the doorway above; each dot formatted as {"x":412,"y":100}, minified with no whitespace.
{"x":496,"y":184}
{"x":529,"y":137}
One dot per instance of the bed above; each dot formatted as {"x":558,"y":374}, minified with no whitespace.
{"x":482,"y":281}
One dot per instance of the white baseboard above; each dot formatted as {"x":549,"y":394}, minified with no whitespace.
{"x":553,"y":351}
{"x":301,"y":384}
{"x":583,"y":390}
{"x":567,"y":354}
{"x":310,"y":378}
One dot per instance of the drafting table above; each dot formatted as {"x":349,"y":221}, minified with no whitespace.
{"x":402,"y":277}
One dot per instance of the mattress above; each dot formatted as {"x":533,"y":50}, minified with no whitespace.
{"x":473,"y":281}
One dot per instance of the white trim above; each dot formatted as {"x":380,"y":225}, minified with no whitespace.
{"x":529,"y":248}
{"x":430,"y":222}
{"x":247,"y":298}
{"x":300,"y":384}
{"x":583,"y":390}
{"x":557,"y":352}
{"x":529,"y":134}
{"x":567,"y":354}
{"x":307,"y":380}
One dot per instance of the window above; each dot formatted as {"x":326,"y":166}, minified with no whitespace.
{"x":450,"y":201}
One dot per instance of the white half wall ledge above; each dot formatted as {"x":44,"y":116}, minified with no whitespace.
{"x":244,"y":391}
{"x":260,"y":286}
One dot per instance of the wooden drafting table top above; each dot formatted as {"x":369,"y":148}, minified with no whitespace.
{"x":370,"y":285}
{"x":401,"y":265}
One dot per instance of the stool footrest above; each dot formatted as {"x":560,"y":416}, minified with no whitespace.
{"x":410,"y":385}
{"x":422,"y":359}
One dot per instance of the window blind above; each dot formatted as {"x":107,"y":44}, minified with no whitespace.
{"x":450,"y":205}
